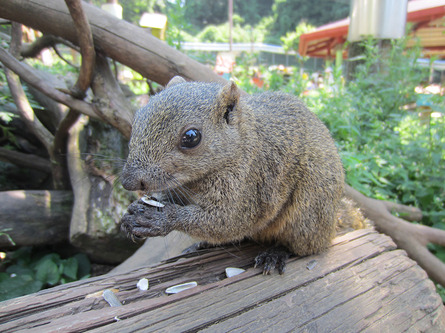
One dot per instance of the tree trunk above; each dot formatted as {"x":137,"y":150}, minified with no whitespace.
{"x":95,"y":157}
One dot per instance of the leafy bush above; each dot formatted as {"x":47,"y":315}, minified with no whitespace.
{"x":29,"y":272}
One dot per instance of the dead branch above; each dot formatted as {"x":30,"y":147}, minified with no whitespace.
{"x":85,"y":40}
{"x":408,"y":213}
{"x":32,"y":50}
{"x":26,"y":111}
{"x":120,"y":115}
{"x":118,"y":39}
{"x":60,"y":55}
{"x":30,"y":75}
{"x":16,"y":39}
{"x":53,"y":112}
{"x":25,"y":160}
{"x":21,"y":101}
{"x":33,"y":123}
{"x":100,"y":237}
{"x":413,"y":238}
{"x":60,"y":148}
{"x":113,"y":105}
{"x":63,"y":129}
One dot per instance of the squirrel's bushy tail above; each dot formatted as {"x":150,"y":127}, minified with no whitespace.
{"x":350,"y":218}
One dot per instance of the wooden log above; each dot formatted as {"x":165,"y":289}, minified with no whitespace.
{"x":361,"y":283}
{"x":35,"y":217}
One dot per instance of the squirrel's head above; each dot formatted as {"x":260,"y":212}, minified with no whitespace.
{"x":187,"y":131}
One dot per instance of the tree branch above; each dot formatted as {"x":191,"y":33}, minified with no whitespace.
{"x":408,"y":213}
{"x":63,"y":58}
{"x":16,"y":39}
{"x":85,"y":39}
{"x":25,"y":160}
{"x":21,"y":101}
{"x":118,"y":39}
{"x":32,"y":50}
{"x":60,"y":171}
{"x":114,"y":107}
{"x":30,"y":76}
{"x":413,"y":238}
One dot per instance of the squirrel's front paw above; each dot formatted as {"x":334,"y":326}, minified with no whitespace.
{"x":142,"y":221}
{"x":271,"y":258}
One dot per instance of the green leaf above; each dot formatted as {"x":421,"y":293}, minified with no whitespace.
{"x":19,"y":285}
{"x":47,"y":272}
{"x":19,"y":270}
{"x":84,"y":266}
{"x":23,"y":255}
{"x":70,"y":268}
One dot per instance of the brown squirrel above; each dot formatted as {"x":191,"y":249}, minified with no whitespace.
{"x":227,"y":166}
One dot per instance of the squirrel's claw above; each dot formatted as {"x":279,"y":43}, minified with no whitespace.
{"x":142,"y":221}
{"x":271,"y":258}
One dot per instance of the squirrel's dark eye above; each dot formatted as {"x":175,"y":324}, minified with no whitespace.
{"x":191,"y":138}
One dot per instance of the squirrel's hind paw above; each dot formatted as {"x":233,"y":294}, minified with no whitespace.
{"x":196,"y":247}
{"x":271,"y":258}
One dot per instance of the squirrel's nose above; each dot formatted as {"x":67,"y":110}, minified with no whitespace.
{"x":132,"y":179}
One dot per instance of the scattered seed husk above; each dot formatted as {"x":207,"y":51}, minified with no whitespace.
{"x":232,"y":271}
{"x":111,"y":298}
{"x":311,"y":264}
{"x":143,"y":284}
{"x":150,"y":201}
{"x":181,"y":287}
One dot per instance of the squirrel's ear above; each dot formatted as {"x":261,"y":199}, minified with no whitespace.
{"x":175,"y":80}
{"x":228,"y":98}
{"x":229,"y":94}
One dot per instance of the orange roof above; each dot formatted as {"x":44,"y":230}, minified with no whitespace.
{"x":428,"y":17}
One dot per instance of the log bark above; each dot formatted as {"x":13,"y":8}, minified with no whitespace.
{"x":35,"y":217}
{"x":362,"y":283}
{"x":130,"y":45}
